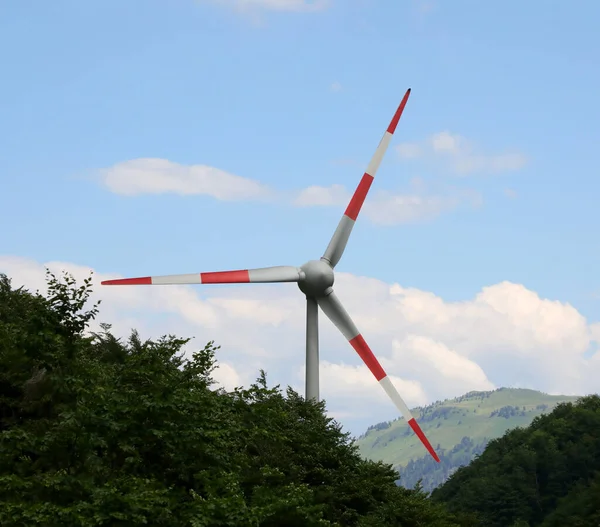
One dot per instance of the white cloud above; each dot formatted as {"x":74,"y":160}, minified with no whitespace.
{"x":335,"y":86}
{"x":506,"y":335}
{"x":461,"y":155}
{"x":595,"y":332}
{"x":159,"y":176}
{"x":156,"y":176}
{"x":429,"y":358}
{"x":409,"y":150}
{"x":335,"y":195}
{"x":296,"y":6}
{"x":511,"y":193}
{"x":387,"y":208}
{"x":391,"y":209}
{"x":348,"y":388}
{"x":227,"y":377}
{"x":444,"y":142}
{"x":253,"y":310}
{"x":509,"y":329}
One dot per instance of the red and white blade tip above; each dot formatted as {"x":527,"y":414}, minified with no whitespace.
{"x":145,"y":280}
{"x":421,"y":435}
{"x":396,"y":119}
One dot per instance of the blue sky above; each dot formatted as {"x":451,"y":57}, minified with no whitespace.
{"x":289,"y":97}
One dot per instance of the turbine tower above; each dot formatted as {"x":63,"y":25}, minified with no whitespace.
{"x":315,"y":279}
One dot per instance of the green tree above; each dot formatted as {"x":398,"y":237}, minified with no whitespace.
{"x":579,"y":508}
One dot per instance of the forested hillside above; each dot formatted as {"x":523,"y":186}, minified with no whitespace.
{"x":460,"y":428}
{"x":99,"y":432}
{"x":545,"y":475}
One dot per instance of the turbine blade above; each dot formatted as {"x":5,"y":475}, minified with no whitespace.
{"x":334,"y":310}
{"x":282,"y":273}
{"x":338,"y":242}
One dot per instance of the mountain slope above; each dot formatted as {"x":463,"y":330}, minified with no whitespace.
{"x":458,"y":428}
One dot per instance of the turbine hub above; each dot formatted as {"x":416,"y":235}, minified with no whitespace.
{"x":318,"y":278}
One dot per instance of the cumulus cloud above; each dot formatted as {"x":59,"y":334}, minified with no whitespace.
{"x":334,"y":195}
{"x":521,"y":322}
{"x":461,"y":155}
{"x":507,"y":324}
{"x":595,"y":332}
{"x":335,"y":86}
{"x":506,"y":335}
{"x":227,"y":377}
{"x":160,"y":176}
{"x":350,"y":390}
{"x":409,"y":150}
{"x":424,"y":357}
{"x":388,"y":208}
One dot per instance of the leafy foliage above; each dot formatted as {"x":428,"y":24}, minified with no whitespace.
{"x":97,"y":431}
{"x":547,"y":474}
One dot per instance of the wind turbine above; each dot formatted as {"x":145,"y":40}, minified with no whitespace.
{"x":315,"y":279}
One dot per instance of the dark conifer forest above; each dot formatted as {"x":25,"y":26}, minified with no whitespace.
{"x":95,"y":430}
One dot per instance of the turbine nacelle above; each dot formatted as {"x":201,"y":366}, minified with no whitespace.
{"x":316,"y":278}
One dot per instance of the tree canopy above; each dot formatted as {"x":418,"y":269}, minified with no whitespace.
{"x":95,"y":430}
